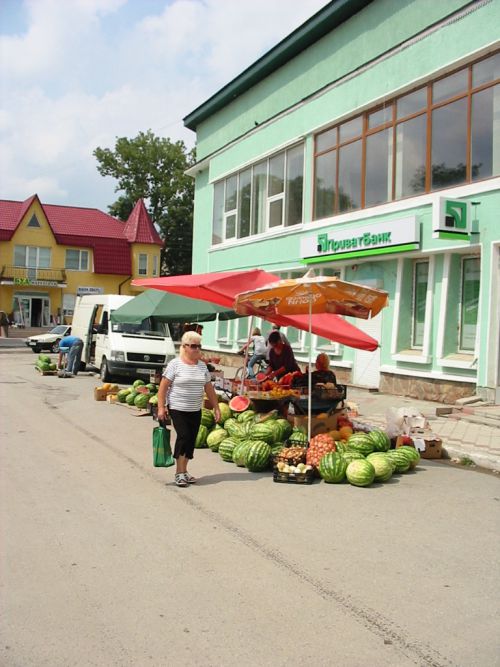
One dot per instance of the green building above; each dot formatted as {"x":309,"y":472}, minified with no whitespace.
{"x":366,"y":144}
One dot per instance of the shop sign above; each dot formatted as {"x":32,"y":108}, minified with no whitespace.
{"x":401,"y":235}
{"x":80,"y":291}
{"x":451,"y":219}
{"x":37,"y":283}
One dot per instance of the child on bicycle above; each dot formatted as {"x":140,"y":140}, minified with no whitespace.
{"x":259,"y":350}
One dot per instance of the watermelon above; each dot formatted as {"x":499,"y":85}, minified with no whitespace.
{"x":235,"y":429}
{"x":141,"y":401}
{"x":340,"y":446}
{"x":215,"y":438}
{"x":352,"y":456}
{"x":44,"y":358}
{"x":360,"y":442}
{"x":239,"y":452}
{"x":207,"y":418}
{"x":297,"y":438}
{"x":153,"y":389}
{"x":122,"y":395}
{"x":129,"y":400}
{"x":201,"y":438}
{"x":277,"y":447}
{"x":138,"y":383}
{"x":285,"y":428}
{"x":239,"y":403}
{"x":53,"y":367}
{"x":380,"y":440}
{"x":226,"y":448}
{"x":225,"y":412}
{"x":412,"y":455}
{"x":248,"y":415}
{"x":382,"y":466}
{"x":257,"y":456}
{"x":382,"y":455}
{"x":332,"y":468}
{"x":153,"y":400}
{"x":400,"y":459}
{"x":263,"y":431}
{"x":360,"y":473}
{"x":266,"y":416}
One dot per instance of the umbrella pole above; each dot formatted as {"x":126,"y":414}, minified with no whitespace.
{"x":245,"y":361}
{"x":309,"y":401}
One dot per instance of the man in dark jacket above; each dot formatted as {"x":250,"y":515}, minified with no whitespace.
{"x":281,"y":358}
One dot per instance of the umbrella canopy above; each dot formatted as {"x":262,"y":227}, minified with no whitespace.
{"x":222,"y":289}
{"x":312,"y":294}
{"x":166,"y":307}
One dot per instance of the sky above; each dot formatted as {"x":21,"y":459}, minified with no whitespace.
{"x":77,"y":74}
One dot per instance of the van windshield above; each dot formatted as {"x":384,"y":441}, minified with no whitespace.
{"x":148,"y":327}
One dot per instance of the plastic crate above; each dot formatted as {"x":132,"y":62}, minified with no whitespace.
{"x":293,"y":477}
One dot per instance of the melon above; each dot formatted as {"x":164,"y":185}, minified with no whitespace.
{"x":207,"y":418}
{"x":285,"y":428}
{"x":332,"y":468}
{"x":226,"y":448}
{"x":239,"y":403}
{"x":129,"y":400}
{"x":201,"y":438}
{"x":138,"y":383}
{"x":352,"y":456}
{"x":257,"y":456}
{"x":225,"y":412}
{"x":246,"y":416}
{"x":263,"y":431}
{"x":298,"y":438}
{"x":360,"y":442}
{"x":215,"y":438}
{"x":382,"y":466}
{"x":141,"y":401}
{"x":122,"y":395}
{"x":360,"y":473}
{"x":240,"y":451}
{"x":400,"y":459}
{"x":380,"y":440}
{"x":411,"y":454}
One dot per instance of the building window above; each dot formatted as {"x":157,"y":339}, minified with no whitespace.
{"x":77,"y":260}
{"x":267,"y":195}
{"x":143,"y":265}
{"x":34,"y":222}
{"x":155,"y":265}
{"x":420,"y":282}
{"x":470,"y":282}
{"x":32,"y":257}
{"x":440,"y":135}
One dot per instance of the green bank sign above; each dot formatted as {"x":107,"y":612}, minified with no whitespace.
{"x":400,"y":235}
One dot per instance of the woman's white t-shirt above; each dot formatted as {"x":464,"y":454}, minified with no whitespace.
{"x":188,"y":384}
{"x":259,"y":345}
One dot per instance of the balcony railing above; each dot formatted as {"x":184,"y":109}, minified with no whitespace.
{"x":17,"y":275}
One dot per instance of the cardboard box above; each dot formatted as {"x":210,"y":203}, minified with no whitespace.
{"x":318,"y":425}
{"x":431,"y":443}
{"x":100,"y":394}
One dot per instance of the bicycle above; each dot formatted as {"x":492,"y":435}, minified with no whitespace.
{"x":259,"y":367}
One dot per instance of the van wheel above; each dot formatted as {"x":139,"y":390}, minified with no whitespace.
{"x":105,"y":375}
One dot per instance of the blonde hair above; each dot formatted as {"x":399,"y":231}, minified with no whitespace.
{"x":323,"y":362}
{"x":190,"y":337}
{"x":256,"y":331}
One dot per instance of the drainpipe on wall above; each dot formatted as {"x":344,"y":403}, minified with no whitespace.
{"x":122,"y":283}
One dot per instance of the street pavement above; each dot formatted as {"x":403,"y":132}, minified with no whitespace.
{"x":105,"y":562}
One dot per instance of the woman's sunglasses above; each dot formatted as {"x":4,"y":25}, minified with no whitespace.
{"x":193,"y":346}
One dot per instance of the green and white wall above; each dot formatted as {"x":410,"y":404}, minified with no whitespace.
{"x":266,"y":196}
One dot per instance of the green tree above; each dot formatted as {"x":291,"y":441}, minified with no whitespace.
{"x":152,"y":168}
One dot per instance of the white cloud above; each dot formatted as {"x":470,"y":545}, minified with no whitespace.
{"x":82,"y":74}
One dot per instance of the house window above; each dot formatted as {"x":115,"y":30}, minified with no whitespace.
{"x":143,"y":265}
{"x":437,"y":136}
{"x":155,"y":265}
{"x":32,"y":257}
{"x":469,"y":300}
{"x":420,"y":282}
{"x":34,"y":222}
{"x":266,"y":195}
{"x":77,"y":260}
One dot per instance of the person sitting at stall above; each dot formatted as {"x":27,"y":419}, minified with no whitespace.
{"x":259,"y":350}
{"x":281,"y":358}
{"x":322,"y":373}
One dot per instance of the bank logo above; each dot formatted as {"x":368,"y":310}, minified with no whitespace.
{"x":452,"y":219}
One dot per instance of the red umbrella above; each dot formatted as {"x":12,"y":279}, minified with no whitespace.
{"x":222,"y":288}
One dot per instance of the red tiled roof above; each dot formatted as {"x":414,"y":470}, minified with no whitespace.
{"x":89,"y":228}
{"x":139,"y":227}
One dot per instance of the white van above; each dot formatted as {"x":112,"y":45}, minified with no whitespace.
{"x":119,"y":349}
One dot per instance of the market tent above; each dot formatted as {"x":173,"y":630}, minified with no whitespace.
{"x":222,"y":289}
{"x":165,"y":307}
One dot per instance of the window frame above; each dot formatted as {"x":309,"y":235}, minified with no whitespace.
{"x":81,"y":254}
{"x":413,"y":344}
{"x":27,"y":264}
{"x":142,"y":271}
{"x":460,"y":323}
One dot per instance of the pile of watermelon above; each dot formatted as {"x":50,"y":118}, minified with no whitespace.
{"x":44,"y":363}
{"x":139,"y":394}
{"x":244,"y":437}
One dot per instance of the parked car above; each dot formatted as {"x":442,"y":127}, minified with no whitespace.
{"x":48,"y":341}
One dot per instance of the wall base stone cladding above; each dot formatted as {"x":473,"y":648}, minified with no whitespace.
{"x":425,"y":389}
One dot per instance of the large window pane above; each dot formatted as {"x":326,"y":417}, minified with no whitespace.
{"x":350,"y":129}
{"x":294,"y":185}
{"x":218,"y":214}
{"x":324,"y":184}
{"x":485,"y":133}
{"x":326,"y":140}
{"x":72,"y":260}
{"x":380,"y":117}
{"x":350,"y":177}
{"x":449,"y":144}
{"x":20,"y":255}
{"x":244,"y":200}
{"x":486,"y":70}
{"x":276,"y":174}
{"x":420,"y":279}
{"x":471,"y":273}
{"x":44,"y":258}
{"x":259,"y":195}
{"x":231,"y":193}
{"x":411,"y":141}
{"x":231,"y":226}
{"x":450,"y":86}
{"x":378,"y":167}
{"x":411,"y":103}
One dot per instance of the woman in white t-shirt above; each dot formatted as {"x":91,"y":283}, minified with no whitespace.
{"x":259,"y":350}
{"x":181,"y":388}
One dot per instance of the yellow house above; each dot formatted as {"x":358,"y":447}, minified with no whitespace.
{"x":51,"y":254}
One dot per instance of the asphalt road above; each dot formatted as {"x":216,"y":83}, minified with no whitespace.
{"x":105,"y":562}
